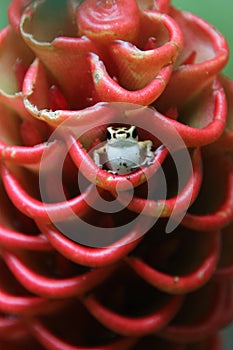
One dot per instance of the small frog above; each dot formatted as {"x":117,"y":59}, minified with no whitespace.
{"x":123,"y":152}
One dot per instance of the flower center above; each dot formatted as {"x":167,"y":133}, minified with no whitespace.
{"x":107,"y":3}
{"x":108,"y":20}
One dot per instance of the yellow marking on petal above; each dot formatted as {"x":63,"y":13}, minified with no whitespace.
{"x":13,"y":154}
{"x":222,"y":213}
{"x":98,"y":181}
{"x":143,"y":178}
{"x":110,"y":178}
{"x":173,"y":43}
{"x":166,"y":211}
{"x":201,"y":275}
{"x":4,"y":150}
{"x":98,"y":75}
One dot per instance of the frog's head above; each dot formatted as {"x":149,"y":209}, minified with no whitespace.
{"x":122,"y":133}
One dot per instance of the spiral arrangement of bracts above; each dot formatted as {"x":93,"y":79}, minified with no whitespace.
{"x":157,"y":290}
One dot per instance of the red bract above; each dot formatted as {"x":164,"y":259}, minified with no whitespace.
{"x":86,"y":261}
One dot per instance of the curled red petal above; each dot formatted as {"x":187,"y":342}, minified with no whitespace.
{"x":108,"y":90}
{"x":88,"y":256}
{"x":187,"y":80}
{"x":15,"y":11}
{"x":50,"y":287}
{"x":53,"y":52}
{"x":225,"y":142}
{"x":222,"y":213}
{"x":203,"y":131}
{"x":131,"y":61}
{"x":37,"y":209}
{"x":130,"y":326}
{"x":17,"y":300}
{"x":37,"y":100}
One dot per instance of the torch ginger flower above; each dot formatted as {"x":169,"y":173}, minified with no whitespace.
{"x":120,"y":261}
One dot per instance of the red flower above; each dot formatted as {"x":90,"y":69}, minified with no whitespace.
{"x":86,"y":261}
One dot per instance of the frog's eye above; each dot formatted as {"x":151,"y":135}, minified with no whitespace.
{"x":135,"y":133}
{"x":108,"y":135}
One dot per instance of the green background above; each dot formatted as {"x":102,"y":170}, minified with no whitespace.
{"x":3,"y":12}
{"x":220,"y":14}
{"x":217,"y":12}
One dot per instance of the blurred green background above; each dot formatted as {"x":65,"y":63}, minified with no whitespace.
{"x":3,"y":10}
{"x":220,"y":14}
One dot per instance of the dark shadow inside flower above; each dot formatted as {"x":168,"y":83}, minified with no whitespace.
{"x":127,"y":294}
{"x":225,"y":141}
{"x":215,"y":174}
{"x":9,"y":284}
{"x":177,"y":254}
{"x":27,"y":342}
{"x":152,"y":30}
{"x":171,"y":169}
{"x":63,"y":326}
{"x":211,"y":343}
{"x":199,"y":111}
{"x":154,"y":342}
{"x":228,"y":88}
{"x":51,"y":264}
{"x":199,"y":316}
{"x":225,"y":266}
{"x":125,"y":290}
{"x":119,"y":217}
{"x":131,"y":309}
